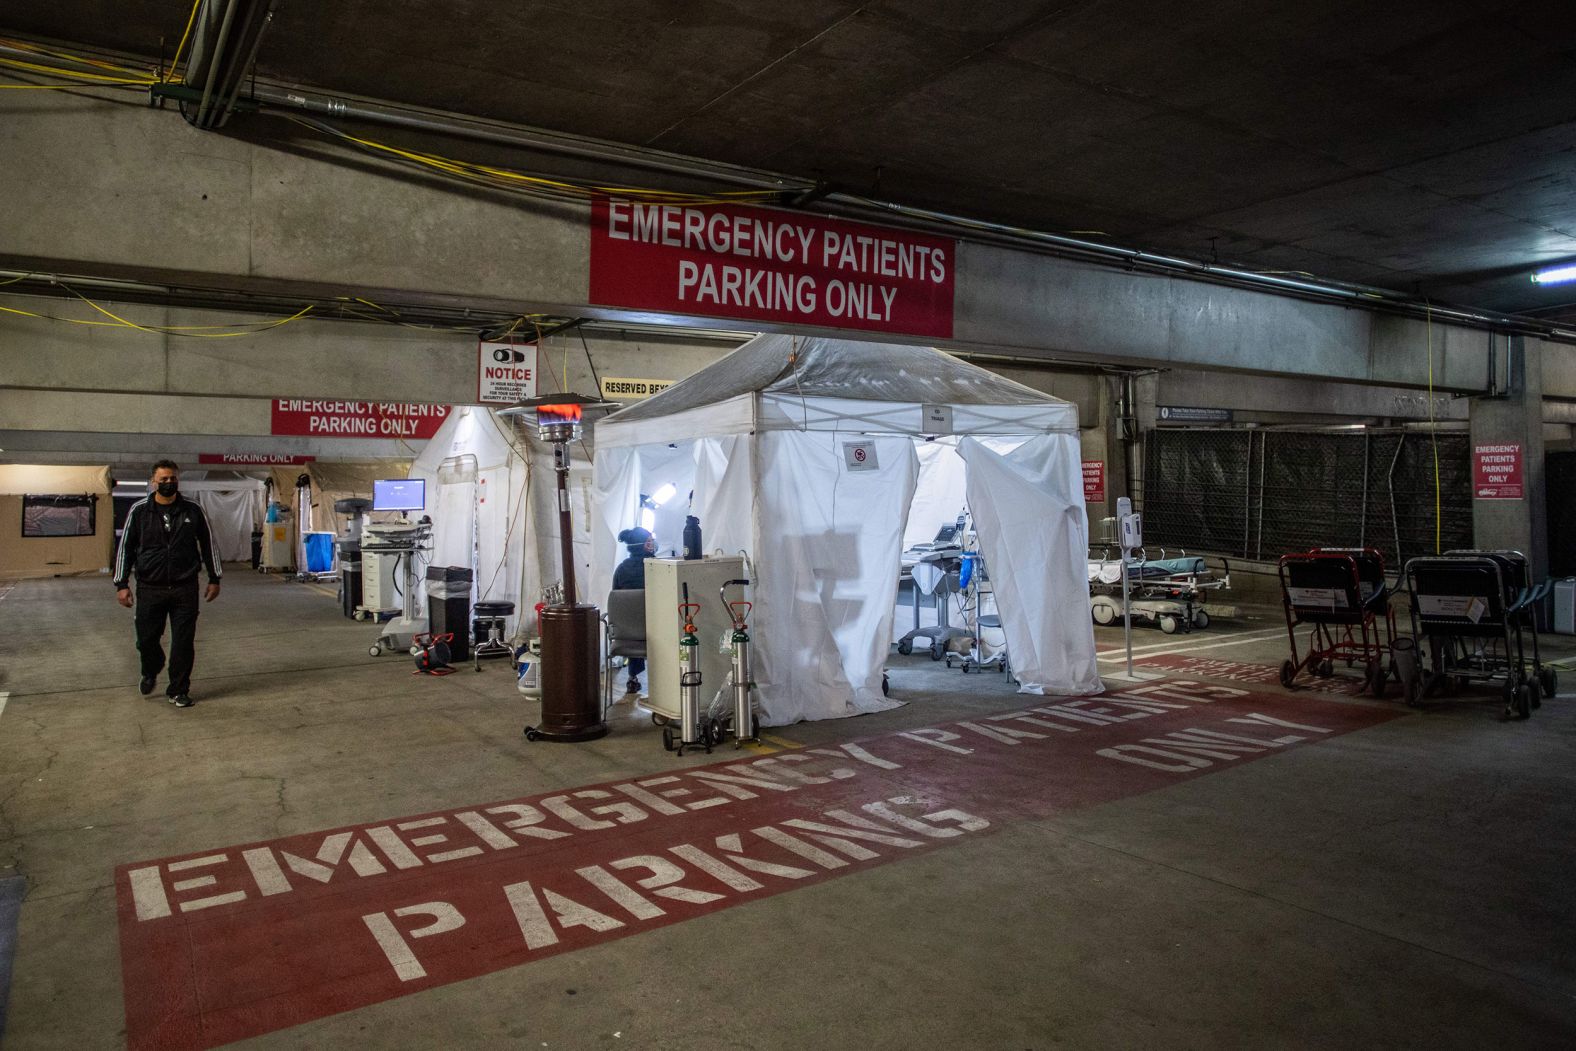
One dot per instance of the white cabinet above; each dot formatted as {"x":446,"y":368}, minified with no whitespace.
{"x":665,"y":580}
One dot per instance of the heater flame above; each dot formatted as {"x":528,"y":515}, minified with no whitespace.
{"x":558,"y":413}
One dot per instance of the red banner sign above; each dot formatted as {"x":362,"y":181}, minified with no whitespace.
{"x":357,"y":419}
{"x":252,"y":459}
{"x":735,"y":261}
{"x":1094,"y":481}
{"x":1496,"y":472}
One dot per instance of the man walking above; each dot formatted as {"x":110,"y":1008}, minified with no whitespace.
{"x":166,"y":542}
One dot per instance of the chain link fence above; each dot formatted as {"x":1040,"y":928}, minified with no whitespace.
{"x":1258,"y":494}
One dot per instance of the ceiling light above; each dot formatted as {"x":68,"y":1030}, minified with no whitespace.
{"x":1555,"y":275}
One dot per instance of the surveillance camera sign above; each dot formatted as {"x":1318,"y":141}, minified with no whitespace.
{"x":505,"y":373}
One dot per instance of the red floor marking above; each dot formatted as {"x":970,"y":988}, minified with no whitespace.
{"x":235,"y":942}
{"x":1234,"y":671}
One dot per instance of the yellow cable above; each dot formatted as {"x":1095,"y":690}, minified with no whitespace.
{"x":1433,"y":432}
{"x":55,"y":71}
{"x":188,"y":331}
{"x":182,"y":45}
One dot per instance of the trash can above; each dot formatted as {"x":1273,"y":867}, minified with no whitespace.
{"x":1565,"y":606}
{"x":449,"y":607}
{"x":350,"y":593}
{"x":319,"y":552}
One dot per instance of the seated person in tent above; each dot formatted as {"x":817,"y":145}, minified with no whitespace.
{"x":631,"y":575}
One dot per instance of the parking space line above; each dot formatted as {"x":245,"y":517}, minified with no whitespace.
{"x":1238,"y":641}
{"x":1170,"y":645}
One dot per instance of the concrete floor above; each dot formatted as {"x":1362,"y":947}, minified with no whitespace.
{"x":1408,"y":884}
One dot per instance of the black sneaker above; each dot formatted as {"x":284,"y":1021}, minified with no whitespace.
{"x":182,"y":700}
{"x":632,"y":686}
{"x":146,"y":685}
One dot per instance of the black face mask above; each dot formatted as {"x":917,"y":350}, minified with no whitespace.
{"x":169,"y":488}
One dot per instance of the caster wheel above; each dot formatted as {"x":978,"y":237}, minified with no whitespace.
{"x":965,"y":669}
{"x":658,"y":720}
{"x":1534,"y":694}
{"x":1548,"y":679}
{"x":1523,"y":704}
{"x":1377,"y":678}
{"x":667,"y":738}
{"x":531,"y":734}
{"x":1169,"y":625}
{"x":716,"y":733}
{"x":359,"y":615}
{"x":938,"y":650}
{"x":1200,"y":619}
{"x":376,"y":651}
{"x":1288,"y":674}
{"x":905,"y":648}
{"x":1326,"y":669}
{"x":886,"y":686}
{"x":1103,"y":614}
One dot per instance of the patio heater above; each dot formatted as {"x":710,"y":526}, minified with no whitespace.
{"x":571,"y":637}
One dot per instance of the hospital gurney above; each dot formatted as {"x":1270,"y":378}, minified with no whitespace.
{"x":1169,"y":592}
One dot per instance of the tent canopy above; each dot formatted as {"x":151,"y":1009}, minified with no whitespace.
{"x":803,"y":453}
{"x":790,"y":383}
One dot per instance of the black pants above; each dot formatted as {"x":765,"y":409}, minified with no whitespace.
{"x":178,"y":602}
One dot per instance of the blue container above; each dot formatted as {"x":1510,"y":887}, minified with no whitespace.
{"x":319,"y":552}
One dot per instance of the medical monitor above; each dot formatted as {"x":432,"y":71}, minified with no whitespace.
{"x":399,"y":494}
{"x":947,"y":534}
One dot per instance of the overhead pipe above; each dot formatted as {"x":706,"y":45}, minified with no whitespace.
{"x":907,"y":216}
{"x":270,"y":95}
{"x":212,"y":55}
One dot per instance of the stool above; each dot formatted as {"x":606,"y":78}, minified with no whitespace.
{"x":488,"y":628}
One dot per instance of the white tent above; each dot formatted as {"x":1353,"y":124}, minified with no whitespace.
{"x":490,"y":493}
{"x":233,"y":503}
{"x":804,"y":454}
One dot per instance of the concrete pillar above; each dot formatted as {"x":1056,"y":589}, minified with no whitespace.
{"x":1515,"y":418}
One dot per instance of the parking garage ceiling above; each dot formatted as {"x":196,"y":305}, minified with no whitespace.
{"x":1428,"y":148}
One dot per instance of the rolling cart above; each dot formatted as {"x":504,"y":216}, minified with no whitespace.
{"x":1474,"y":609}
{"x":1343,"y":599}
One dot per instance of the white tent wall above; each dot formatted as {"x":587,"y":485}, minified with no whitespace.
{"x":234,"y":507}
{"x":826,"y":581}
{"x":938,"y":494}
{"x":1028,"y":509}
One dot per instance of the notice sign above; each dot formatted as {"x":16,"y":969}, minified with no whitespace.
{"x":1496,"y":472}
{"x":938,"y":419}
{"x":860,"y":456}
{"x":1094,"y":481}
{"x":252,"y":459}
{"x":505,"y":372}
{"x":1192,"y":414}
{"x":736,"y":261}
{"x":620,"y":388}
{"x":357,"y":419}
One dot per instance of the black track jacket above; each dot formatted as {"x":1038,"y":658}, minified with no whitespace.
{"x":162,"y":555}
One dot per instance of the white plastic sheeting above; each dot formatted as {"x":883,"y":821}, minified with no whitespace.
{"x":1028,"y":509}
{"x":938,"y":495}
{"x":828,"y":574}
{"x":231,"y":516}
{"x":761,"y":437}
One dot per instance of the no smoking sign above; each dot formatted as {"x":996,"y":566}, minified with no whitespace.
{"x":860,"y":456}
